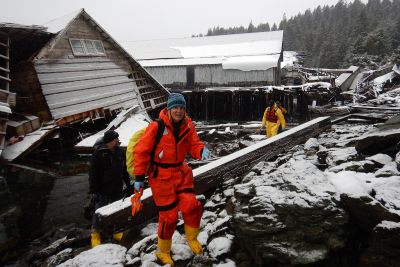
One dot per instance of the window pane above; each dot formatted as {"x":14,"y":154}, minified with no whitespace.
{"x":99,"y":47}
{"x":89,"y":47}
{"x":77,"y":47}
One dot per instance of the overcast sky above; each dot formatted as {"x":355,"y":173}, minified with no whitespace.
{"x":130,"y":20}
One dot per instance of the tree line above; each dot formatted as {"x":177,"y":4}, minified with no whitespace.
{"x":354,"y":33}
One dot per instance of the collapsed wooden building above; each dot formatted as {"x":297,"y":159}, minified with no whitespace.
{"x":249,"y":59}
{"x":71,"y":70}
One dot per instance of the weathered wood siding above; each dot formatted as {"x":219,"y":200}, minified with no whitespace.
{"x":212,"y":75}
{"x":76,"y":87}
{"x":168,"y":75}
{"x":73,"y":86}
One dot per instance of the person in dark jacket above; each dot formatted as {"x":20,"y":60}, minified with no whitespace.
{"x":106,"y":176}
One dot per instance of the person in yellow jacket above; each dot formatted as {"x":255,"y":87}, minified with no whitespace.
{"x":272,"y":118}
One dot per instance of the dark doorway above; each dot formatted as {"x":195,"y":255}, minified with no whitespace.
{"x":190,"y":77}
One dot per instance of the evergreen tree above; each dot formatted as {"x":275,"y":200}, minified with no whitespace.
{"x":251,"y":27}
{"x":282,"y":24}
{"x":350,"y":32}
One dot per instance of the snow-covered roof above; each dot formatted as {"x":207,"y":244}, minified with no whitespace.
{"x":13,"y":151}
{"x":8,"y":25}
{"x":359,"y":77}
{"x":182,"y":61}
{"x":249,"y":63}
{"x":232,"y":45}
{"x":125,"y":130}
{"x":247,"y":51}
{"x":383,"y":78}
{"x":245,"y":63}
{"x":344,"y":76}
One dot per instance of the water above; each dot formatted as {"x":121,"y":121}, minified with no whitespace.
{"x":39,"y":195}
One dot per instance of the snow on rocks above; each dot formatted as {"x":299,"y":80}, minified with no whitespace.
{"x":220,"y":246}
{"x":284,"y":207}
{"x":295,"y":210}
{"x":102,"y":255}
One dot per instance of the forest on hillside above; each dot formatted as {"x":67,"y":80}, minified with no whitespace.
{"x":348,"y":33}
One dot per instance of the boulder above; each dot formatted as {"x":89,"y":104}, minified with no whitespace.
{"x":383,"y":246}
{"x":289,"y":216}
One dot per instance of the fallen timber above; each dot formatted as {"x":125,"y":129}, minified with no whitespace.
{"x":117,"y":215}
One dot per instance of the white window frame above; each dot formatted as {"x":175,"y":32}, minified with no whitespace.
{"x":85,"y":49}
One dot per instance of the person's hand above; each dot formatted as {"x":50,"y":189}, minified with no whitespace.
{"x":138,"y":186}
{"x":205,"y":154}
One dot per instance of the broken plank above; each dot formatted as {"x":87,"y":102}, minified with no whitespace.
{"x":117,"y":215}
{"x":366,"y":117}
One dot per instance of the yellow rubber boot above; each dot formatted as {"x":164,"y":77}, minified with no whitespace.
{"x":191,"y":236}
{"x":95,"y":238}
{"x":164,"y":251}
{"x":118,"y":236}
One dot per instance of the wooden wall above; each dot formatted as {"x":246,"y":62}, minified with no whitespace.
{"x":243,"y":105}
{"x":212,"y":75}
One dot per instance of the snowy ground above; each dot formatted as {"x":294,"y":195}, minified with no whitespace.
{"x":345,"y":173}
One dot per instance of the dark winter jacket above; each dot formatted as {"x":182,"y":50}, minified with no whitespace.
{"x":107,"y":172}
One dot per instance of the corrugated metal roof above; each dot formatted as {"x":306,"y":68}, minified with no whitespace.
{"x":71,"y":87}
{"x":260,"y":43}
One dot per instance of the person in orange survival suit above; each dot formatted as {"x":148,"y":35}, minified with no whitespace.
{"x":170,"y":178}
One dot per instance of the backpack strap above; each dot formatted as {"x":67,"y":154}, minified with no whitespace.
{"x":160,"y":132}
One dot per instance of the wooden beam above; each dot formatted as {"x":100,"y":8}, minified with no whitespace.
{"x":367,"y":117}
{"x":208,"y":177}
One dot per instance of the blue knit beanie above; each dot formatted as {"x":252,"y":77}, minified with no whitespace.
{"x":176,"y":100}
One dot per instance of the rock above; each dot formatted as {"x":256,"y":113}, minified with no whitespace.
{"x":58,"y":258}
{"x":311,"y":144}
{"x":381,"y":159}
{"x":383,"y":246}
{"x":281,"y":219}
{"x":220,"y":246}
{"x":367,"y":212}
{"x":341,"y":155}
{"x":357,"y":166}
{"x":102,"y":255}
{"x":388,"y":170}
{"x":397,"y":160}
{"x":379,"y":142}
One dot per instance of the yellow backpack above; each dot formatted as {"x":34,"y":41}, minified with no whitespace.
{"x":130,"y":149}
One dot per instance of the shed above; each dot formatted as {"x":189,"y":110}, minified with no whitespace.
{"x":71,"y":69}
{"x":248,"y":59}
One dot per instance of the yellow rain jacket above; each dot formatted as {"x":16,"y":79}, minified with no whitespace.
{"x":272,"y":119}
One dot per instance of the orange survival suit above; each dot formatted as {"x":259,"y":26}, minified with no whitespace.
{"x":170,"y":178}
